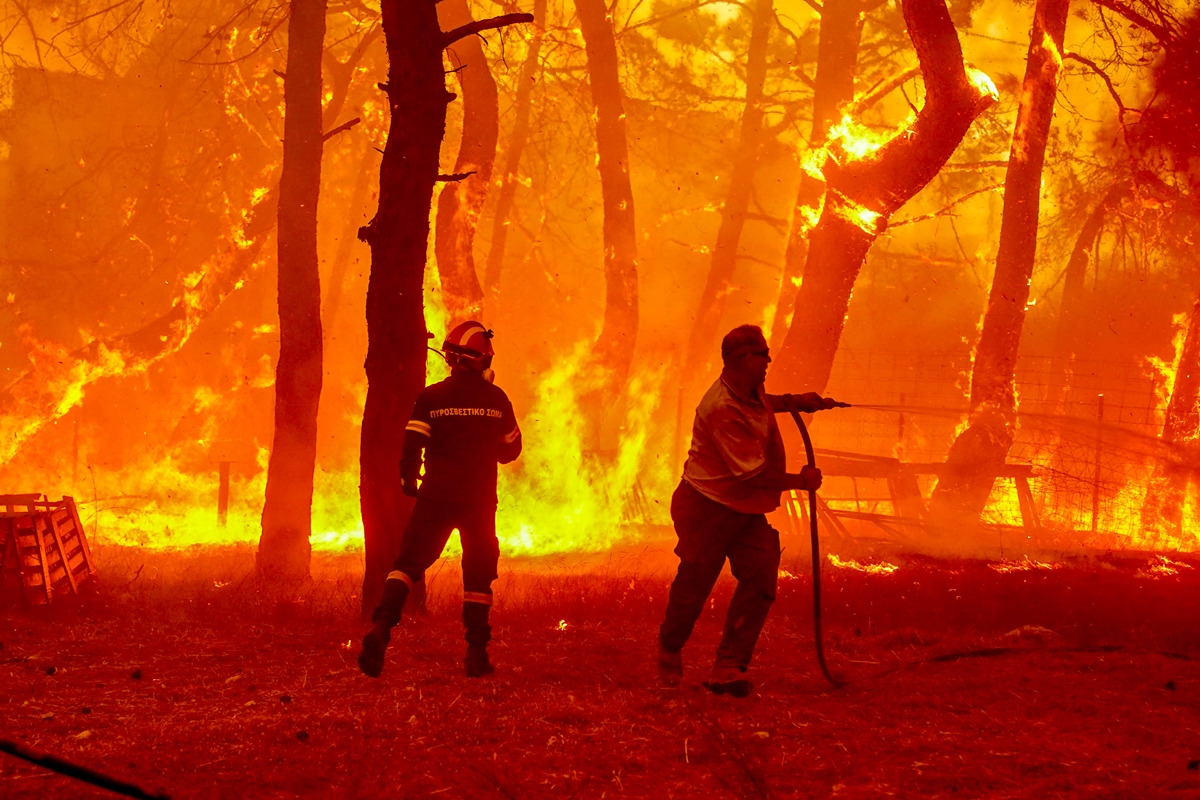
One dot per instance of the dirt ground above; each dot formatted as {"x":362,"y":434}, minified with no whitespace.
{"x":174,"y":676}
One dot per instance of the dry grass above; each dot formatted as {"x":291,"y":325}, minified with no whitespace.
{"x":234,"y":701}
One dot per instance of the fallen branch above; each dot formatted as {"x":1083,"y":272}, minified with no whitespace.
{"x":456,"y":177}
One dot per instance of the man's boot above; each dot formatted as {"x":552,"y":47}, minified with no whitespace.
{"x":729,"y":680}
{"x":385,"y":617}
{"x":478,"y":634}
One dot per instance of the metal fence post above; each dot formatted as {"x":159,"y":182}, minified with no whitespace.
{"x":1099,"y":447}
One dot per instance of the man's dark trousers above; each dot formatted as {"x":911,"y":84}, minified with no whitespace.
{"x":710,"y":532}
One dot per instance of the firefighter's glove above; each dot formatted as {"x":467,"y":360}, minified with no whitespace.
{"x":409,"y":487}
{"x":810,"y":479}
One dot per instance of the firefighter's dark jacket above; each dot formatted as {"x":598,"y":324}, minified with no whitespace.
{"x":466,"y":427}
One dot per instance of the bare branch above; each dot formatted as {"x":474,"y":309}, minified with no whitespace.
{"x":881,"y":90}
{"x":345,"y":126}
{"x":480,"y":25}
{"x":664,"y":17}
{"x":1094,"y":67}
{"x":456,"y":177}
{"x":946,"y":208}
{"x":1161,"y":32}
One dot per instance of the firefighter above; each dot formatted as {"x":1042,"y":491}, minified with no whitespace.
{"x":465,"y":425}
{"x":734,"y":475}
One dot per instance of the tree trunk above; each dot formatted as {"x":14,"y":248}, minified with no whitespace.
{"x":1071,"y":311}
{"x":1162,"y":510}
{"x":284,"y":550}
{"x":512,"y":159}
{"x":398,"y":237}
{"x":461,"y":201}
{"x":837,"y":60}
{"x":979,"y":450}
{"x":614,"y":348}
{"x":701,"y":343}
{"x":863,"y":192}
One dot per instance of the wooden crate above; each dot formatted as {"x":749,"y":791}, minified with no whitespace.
{"x":44,"y":553}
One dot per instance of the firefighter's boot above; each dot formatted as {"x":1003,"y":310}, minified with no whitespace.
{"x":385,"y":617}
{"x":670,"y":666}
{"x":478,"y":634}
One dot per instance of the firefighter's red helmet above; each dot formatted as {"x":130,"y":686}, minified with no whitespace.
{"x":469,"y":345}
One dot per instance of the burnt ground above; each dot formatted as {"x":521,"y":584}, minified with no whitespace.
{"x":174,"y":675}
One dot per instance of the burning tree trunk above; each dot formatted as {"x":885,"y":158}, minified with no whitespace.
{"x":733,"y":212}
{"x":984,"y":445}
{"x":614,"y":347}
{"x":398,"y":236}
{"x":837,"y":59}
{"x":461,"y":201}
{"x":863,"y":192}
{"x":516,"y":147}
{"x":284,"y":550}
{"x":1162,"y":510}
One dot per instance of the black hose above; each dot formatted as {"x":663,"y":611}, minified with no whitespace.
{"x":816,"y":545}
{"x":77,"y":772}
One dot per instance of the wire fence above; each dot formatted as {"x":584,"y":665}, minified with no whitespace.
{"x":1088,"y":429}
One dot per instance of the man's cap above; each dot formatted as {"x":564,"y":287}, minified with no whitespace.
{"x":741,"y":340}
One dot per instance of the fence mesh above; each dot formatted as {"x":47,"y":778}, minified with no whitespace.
{"x":1089,"y":429}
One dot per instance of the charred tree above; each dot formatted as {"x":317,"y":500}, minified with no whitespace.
{"x":460,"y":202}
{"x":733,"y":212}
{"x":862,"y":193}
{"x":1162,"y":509}
{"x":284,"y":550}
{"x":398,"y":236}
{"x":512,"y":158}
{"x":974,"y":456}
{"x":837,"y":60}
{"x":1071,"y":310}
{"x":614,"y":348}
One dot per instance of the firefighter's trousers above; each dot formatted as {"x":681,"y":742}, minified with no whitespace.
{"x":708,"y":534}
{"x":428,"y":530}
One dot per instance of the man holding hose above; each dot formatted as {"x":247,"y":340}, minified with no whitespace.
{"x":734,"y":475}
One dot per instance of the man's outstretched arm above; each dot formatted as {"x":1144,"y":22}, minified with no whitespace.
{"x":807,"y":403}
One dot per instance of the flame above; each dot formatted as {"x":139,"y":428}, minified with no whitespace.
{"x":853,"y":141}
{"x":880,"y":568}
{"x":1161,"y":567}
{"x":58,"y":387}
{"x":984,"y":84}
{"x":559,"y":498}
{"x":1162,"y":372}
{"x":1022,"y":566}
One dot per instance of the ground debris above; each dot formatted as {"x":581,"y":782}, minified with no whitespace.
{"x":936,"y":706}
